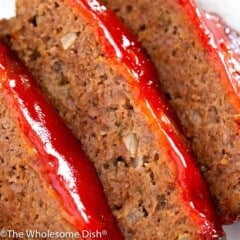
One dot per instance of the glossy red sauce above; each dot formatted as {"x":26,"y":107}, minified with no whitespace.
{"x":61,"y":161}
{"x":126,"y":55}
{"x":223,"y":45}
{"x":227,"y":43}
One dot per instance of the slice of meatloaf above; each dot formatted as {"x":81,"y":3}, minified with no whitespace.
{"x":25,"y":199}
{"x":25,"y":202}
{"x":107,"y":92}
{"x":44,"y":174}
{"x":197,"y":85}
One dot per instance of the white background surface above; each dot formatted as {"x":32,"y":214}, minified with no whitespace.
{"x":229,"y":10}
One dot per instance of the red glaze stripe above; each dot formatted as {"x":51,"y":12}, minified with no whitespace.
{"x":61,"y":160}
{"x":125,"y":54}
{"x":227,"y":44}
{"x":223,"y":52}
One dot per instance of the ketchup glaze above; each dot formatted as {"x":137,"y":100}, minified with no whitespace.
{"x":222,"y":44}
{"x":125,"y":54}
{"x":227,"y":43}
{"x":61,"y":162}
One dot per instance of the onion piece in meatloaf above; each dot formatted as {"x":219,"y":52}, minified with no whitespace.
{"x":108,"y":93}
{"x":198,"y":77}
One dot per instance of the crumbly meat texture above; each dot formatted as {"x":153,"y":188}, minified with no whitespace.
{"x":26,"y":202}
{"x":4,"y":28}
{"x":193,"y":86}
{"x":139,"y":179}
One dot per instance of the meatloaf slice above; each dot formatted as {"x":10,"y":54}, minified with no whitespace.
{"x":49,"y":189}
{"x":107,"y":92}
{"x":26,"y":201}
{"x":198,"y":87}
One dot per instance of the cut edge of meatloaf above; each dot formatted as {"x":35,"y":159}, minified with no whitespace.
{"x":27,"y":203}
{"x":196,"y":90}
{"x":95,"y":101}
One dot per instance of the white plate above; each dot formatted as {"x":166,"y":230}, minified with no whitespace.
{"x":228,"y":10}
{"x":7,"y":8}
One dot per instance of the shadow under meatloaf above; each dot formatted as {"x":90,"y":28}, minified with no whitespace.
{"x":97,"y":104}
{"x":26,"y":203}
{"x":195,"y":88}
